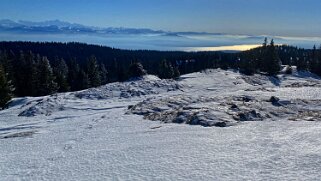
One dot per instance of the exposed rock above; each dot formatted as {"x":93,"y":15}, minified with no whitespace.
{"x":307,"y":115}
{"x":248,"y":116}
{"x":234,"y":106}
{"x":247,"y":99}
{"x":198,"y":110}
{"x":275,"y":101}
{"x":220,"y":124}
{"x":244,"y":98}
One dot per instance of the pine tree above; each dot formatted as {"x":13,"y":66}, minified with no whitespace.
{"x":264,"y":58}
{"x":176,"y":72}
{"x":61,"y":73}
{"x":5,"y":88}
{"x":103,"y":74}
{"x":247,"y":66}
{"x":136,"y":70}
{"x":25,"y":74}
{"x":165,"y":70}
{"x":46,"y":84}
{"x":7,"y":64}
{"x":302,"y":64}
{"x":73,"y":74}
{"x":318,"y":69}
{"x":314,"y":60}
{"x":265,"y":43}
{"x":93,"y":72}
{"x":122,"y":74}
{"x":269,"y":61}
{"x":274,"y":64}
{"x":83,"y":80}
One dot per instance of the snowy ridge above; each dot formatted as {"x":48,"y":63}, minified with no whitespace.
{"x":138,"y":87}
{"x":118,"y":131}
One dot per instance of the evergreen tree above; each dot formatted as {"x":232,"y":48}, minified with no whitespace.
{"x":5,"y":88}
{"x":7,"y":63}
{"x":103,"y":74}
{"x":165,"y":70}
{"x":315,"y":63}
{"x":136,"y":70}
{"x":93,"y":72}
{"x":274,"y":64}
{"x":176,"y":72}
{"x":25,"y":74}
{"x":83,"y":80}
{"x":302,"y":64}
{"x":269,"y":60}
{"x":265,"y":43}
{"x":314,"y":60}
{"x":263,"y":62}
{"x":46,"y":84}
{"x":318,"y":69}
{"x":170,"y":70}
{"x":122,"y":75}
{"x":61,"y":73}
{"x":73,"y":75}
{"x":247,"y":65}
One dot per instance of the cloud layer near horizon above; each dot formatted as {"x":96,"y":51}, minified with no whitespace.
{"x":129,"y":38}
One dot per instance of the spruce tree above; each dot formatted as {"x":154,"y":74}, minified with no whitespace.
{"x":165,"y":70}
{"x":61,"y":73}
{"x":314,"y":60}
{"x":269,"y":61}
{"x":7,"y":63}
{"x":247,"y":66}
{"x":5,"y":88}
{"x":93,"y":72}
{"x":274,"y":64}
{"x":122,"y":74}
{"x":161,"y":69}
{"x":176,"y":72}
{"x":25,"y":74}
{"x":263,"y":62}
{"x":318,"y":69}
{"x":103,"y":74}
{"x":46,"y":82}
{"x":136,"y":70}
{"x":73,"y":75}
{"x":302,"y":64}
{"x":315,"y":63}
{"x":83,"y":80}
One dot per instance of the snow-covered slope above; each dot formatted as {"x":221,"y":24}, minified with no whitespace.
{"x":118,"y":131}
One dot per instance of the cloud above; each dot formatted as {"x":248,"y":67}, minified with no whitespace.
{"x":138,"y":38}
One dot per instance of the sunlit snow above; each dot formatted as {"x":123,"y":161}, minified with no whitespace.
{"x":108,"y":133}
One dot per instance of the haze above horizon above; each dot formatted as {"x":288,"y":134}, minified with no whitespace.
{"x":255,"y":17}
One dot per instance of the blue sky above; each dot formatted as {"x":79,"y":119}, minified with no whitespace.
{"x":255,"y":17}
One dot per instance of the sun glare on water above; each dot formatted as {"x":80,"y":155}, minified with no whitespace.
{"x":225,"y":48}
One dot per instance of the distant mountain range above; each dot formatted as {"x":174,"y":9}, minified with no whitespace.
{"x":62,"y":27}
{"x":136,"y":38}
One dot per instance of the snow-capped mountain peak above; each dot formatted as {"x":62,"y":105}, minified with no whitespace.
{"x":58,"y":26}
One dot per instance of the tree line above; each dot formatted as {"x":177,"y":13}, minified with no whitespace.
{"x":269,"y":57}
{"x":38,"y":69}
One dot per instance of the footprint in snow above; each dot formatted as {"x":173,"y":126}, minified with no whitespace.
{"x":69,"y":145}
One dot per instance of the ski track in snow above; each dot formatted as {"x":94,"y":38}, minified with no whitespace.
{"x":90,"y":135}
